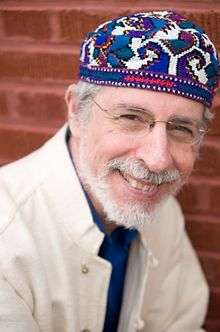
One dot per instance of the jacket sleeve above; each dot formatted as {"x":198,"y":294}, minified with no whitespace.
{"x":180,"y":303}
{"x":192,"y":295}
{"x":179,"y":292}
{"x":15,"y":315}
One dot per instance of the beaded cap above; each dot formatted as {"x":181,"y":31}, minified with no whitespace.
{"x":159,"y":51}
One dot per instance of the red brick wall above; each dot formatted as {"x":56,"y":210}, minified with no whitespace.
{"x":39,"y":48}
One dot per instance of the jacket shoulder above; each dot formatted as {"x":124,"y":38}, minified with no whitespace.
{"x":20,"y":180}
{"x":17,"y":181}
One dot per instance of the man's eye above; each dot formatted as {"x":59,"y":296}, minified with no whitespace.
{"x":182,"y":129}
{"x":132,"y":117}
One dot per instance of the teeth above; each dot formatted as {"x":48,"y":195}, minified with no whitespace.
{"x":138,"y":184}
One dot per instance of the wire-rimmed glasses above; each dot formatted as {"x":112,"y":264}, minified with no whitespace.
{"x":136,"y":122}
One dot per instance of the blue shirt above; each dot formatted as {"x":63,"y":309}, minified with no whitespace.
{"x":115,"y":249}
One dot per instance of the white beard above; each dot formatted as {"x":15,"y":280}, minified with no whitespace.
{"x":129,"y":215}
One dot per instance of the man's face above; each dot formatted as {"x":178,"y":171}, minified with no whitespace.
{"x":127,"y":175}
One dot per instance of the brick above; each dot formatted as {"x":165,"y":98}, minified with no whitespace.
{"x":2,"y":34}
{"x":215,"y":125}
{"x":38,"y":65}
{"x":194,"y":198}
{"x":215,"y":200}
{"x":211,"y":267}
{"x":41,"y":107}
{"x":212,"y":325}
{"x":76,"y":23}
{"x":17,"y":141}
{"x":3,"y":104}
{"x":208,"y":163}
{"x":31,"y":24}
{"x":204,"y":235}
{"x":214,"y":305}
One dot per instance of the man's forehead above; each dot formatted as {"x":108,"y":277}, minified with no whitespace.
{"x":151,"y":101}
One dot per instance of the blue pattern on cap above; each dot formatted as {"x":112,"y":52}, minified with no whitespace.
{"x":158,"y":47}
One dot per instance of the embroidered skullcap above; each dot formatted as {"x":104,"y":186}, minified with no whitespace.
{"x":159,"y":51}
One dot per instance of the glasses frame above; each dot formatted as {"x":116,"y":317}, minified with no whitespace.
{"x":202,"y":131}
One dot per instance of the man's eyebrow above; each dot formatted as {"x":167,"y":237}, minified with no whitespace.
{"x":133,"y":107}
{"x":183,"y":119}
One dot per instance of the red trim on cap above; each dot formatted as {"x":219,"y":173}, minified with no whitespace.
{"x":148,"y":80}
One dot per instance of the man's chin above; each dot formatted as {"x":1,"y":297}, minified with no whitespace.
{"x":129,"y":208}
{"x":131,"y":215}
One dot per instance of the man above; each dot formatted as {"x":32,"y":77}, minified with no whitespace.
{"x":92,"y":238}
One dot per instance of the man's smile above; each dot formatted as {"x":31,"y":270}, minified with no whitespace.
{"x":139,"y":184}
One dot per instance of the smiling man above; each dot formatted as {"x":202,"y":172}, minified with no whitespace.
{"x":92,"y":238}
{"x":127,"y":181}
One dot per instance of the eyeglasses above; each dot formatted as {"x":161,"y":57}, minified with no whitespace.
{"x":136,"y":122}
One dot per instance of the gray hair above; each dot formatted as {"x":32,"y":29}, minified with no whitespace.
{"x":85,"y":92}
{"x":207,"y":115}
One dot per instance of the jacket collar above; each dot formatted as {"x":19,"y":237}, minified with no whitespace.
{"x":65,"y":195}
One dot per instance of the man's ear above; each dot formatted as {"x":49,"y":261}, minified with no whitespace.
{"x":73,"y":111}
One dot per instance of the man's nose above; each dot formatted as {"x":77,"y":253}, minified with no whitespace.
{"x":155,"y":149}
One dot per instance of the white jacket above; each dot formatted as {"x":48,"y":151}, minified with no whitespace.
{"x":51,"y":279}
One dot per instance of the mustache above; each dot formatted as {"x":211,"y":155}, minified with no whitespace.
{"x":136,"y":169}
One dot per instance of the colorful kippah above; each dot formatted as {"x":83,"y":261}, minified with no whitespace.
{"x":159,"y":51}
